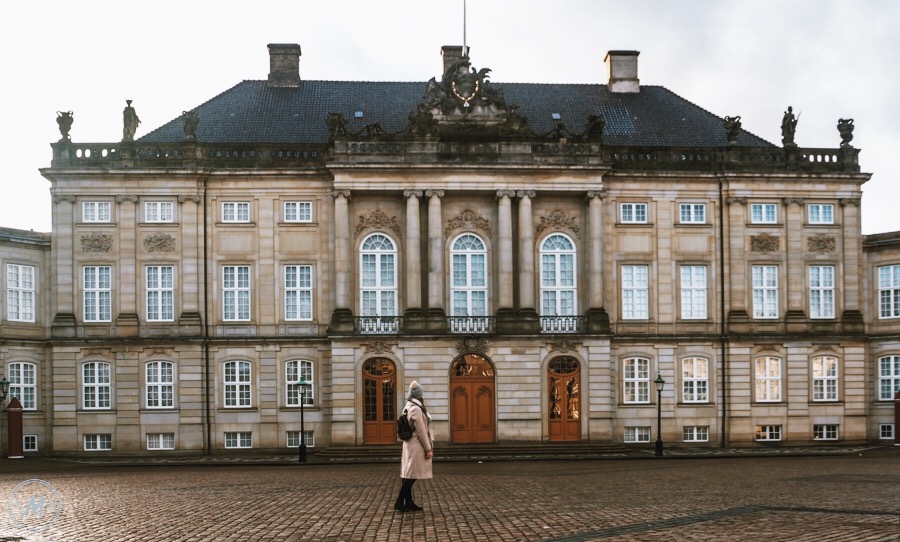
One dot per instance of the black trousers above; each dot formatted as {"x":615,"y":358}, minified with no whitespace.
{"x":405,"y":496}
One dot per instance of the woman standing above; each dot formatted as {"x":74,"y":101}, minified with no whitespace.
{"x":415,"y":463}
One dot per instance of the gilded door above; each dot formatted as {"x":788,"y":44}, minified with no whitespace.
{"x":472,"y":410}
{"x":564,"y":399}
{"x":379,"y":401}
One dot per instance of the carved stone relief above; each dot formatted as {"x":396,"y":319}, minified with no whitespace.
{"x":821,"y":244}
{"x":379,"y":347}
{"x":377,"y":219}
{"x":160,"y":242}
{"x":557,"y":220}
{"x":563,"y":345}
{"x":96,"y":242}
{"x":468,"y":220}
{"x":764,"y":243}
{"x":472,"y":345}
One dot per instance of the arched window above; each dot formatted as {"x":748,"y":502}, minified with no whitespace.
{"x":298,"y":378}
{"x":768,"y":379}
{"x":695,"y":380}
{"x":160,"y":384}
{"x":468,"y":281}
{"x":238,"y":384}
{"x":23,"y":384}
{"x":378,"y":276}
{"x":559,"y":291}
{"x":96,"y":385}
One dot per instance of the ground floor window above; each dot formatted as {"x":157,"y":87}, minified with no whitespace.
{"x":696,"y":433}
{"x":886,"y":431}
{"x":238,"y":439}
{"x":30,"y":443}
{"x":825,"y":431}
{"x":160,"y":441}
{"x":768,"y":432}
{"x":637,"y":434}
{"x":293,"y":439}
{"x":98,"y":442}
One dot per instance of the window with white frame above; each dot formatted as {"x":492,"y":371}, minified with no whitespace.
{"x":767,"y":372}
{"x":98,"y":442}
{"x":160,"y":293}
{"x":825,"y":431}
{"x":889,"y":291}
{"x":763,"y":213}
{"x":825,"y":378}
{"x":468,"y":281}
{"x":637,"y":434}
{"x":236,"y":211}
{"x":633,"y":213}
{"x":160,"y":441}
{"x":693,"y":292}
{"x":886,"y":431}
{"x":160,"y":384}
{"x":97,"y":293}
{"x":29,"y":443}
{"x":558,"y":281}
{"x":695,"y":433}
{"x":23,"y":384}
{"x":238,"y":384}
{"x":293,"y":439}
{"x":888,"y":377}
{"x":768,"y":432}
{"x":159,"y":211}
{"x":298,"y":379}
{"x":20,"y":293}
{"x":695,"y":380}
{"x":765,"y":291}
{"x":298,"y":211}
{"x":821,"y":291}
{"x":636,"y":380}
{"x":378,"y":276}
{"x":236,"y":293}
{"x":635,"y":292}
{"x":820,"y":213}
{"x":692,"y":213}
{"x":298,"y":292}
{"x":96,"y":385}
{"x":96,"y":211}
{"x":238,"y":439}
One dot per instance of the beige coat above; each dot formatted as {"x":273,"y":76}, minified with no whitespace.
{"x":413,"y":463}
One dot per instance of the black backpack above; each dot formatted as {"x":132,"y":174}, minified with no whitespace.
{"x":404,"y":429}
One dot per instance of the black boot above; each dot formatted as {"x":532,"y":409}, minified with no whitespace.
{"x":399,"y":505}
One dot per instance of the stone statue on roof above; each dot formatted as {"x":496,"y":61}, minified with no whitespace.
{"x":64,"y":120}
{"x":732,"y":129}
{"x":788,"y":127}
{"x":463,"y":87}
{"x":130,"y":121}
{"x":189,"y":121}
{"x":845,"y":128}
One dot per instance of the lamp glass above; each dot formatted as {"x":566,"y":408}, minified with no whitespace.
{"x":660,"y":383}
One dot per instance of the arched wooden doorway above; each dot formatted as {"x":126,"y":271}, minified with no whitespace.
{"x":564,"y":399}
{"x":472,"y":411}
{"x":379,"y":401}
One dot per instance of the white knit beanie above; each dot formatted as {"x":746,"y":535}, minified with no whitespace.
{"x":415,"y":390}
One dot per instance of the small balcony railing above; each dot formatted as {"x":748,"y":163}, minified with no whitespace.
{"x":563,"y":324}
{"x":471,"y":324}
{"x":378,"y":325}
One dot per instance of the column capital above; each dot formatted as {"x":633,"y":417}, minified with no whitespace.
{"x":132,"y":199}
{"x":506,"y":194}
{"x":793,"y":201}
{"x":599,"y":194}
{"x":434,"y":193}
{"x":340,"y":193}
{"x":525,"y":193}
{"x":740,"y":200}
{"x":412,"y":193}
{"x":189,"y":197}
{"x":849,"y":201}
{"x":64,"y":197}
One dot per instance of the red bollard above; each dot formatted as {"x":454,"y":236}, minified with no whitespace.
{"x":14,"y":431}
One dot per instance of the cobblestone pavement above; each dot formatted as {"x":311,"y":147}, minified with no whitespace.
{"x":837,"y":497}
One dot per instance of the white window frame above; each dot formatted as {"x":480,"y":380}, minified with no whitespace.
{"x":820,"y":213}
{"x":97,"y":293}
{"x":768,"y":375}
{"x":771,"y":432}
{"x":889,"y":291}
{"x":888,"y":377}
{"x":97,"y":442}
{"x":821,"y":291}
{"x":469,"y":276}
{"x":763,"y":213}
{"x":636,"y":381}
{"x":96,"y":211}
{"x":23,"y":383}
{"x":694,"y":303}
{"x":160,"y":294}
{"x":29,"y":443}
{"x":238,"y":439}
{"x":633,"y":213}
{"x":237,"y":381}
{"x":21,"y":292}
{"x":298,"y":211}
{"x":692,"y":213}
{"x":695,"y":380}
{"x":160,"y":441}
{"x":559,"y":276}
{"x":160,"y":384}
{"x":765,"y":291}
{"x":695,"y":433}
{"x":293,"y":439}
{"x":236,"y":292}
{"x":378,"y":276}
{"x":826,"y":431}
{"x":159,"y":211}
{"x":298,"y":292}
{"x":635,"y":292}
{"x":236,"y":212}
{"x":637,"y":434}
{"x":294,"y":371}
{"x":826,"y":378}
{"x":886,"y":431}
{"x":96,"y":385}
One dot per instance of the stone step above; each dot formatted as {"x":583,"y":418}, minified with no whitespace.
{"x":475,"y":451}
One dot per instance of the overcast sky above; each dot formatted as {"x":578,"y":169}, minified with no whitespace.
{"x":828,"y":59}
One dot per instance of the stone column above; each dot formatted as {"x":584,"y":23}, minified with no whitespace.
{"x":191,"y":246}
{"x":505,"y":250}
{"x":63,"y":261}
{"x":413,"y":257}
{"x":436,"y":313}
{"x":795,"y":270}
{"x":736,"y":272}
{"x":128,"y":274}
{"x":598,"y":318}
{"x":342,"y":319}
{"x":526,"y":252}
{"x":851,"y":317}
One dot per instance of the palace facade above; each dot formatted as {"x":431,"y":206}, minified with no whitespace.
{"x":538,"y":256}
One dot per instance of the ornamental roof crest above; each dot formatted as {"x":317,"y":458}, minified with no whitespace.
{"x":461,"y":88}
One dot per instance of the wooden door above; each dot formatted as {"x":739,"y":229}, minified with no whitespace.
{"x":379,"y":401}
{"x":472,"y":400}
{"x":564,"y":399}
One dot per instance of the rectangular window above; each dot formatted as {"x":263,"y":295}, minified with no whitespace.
{"x":30,"y":443}
{"x":298,"y":291}
{"x":889,"y":291}
{"x":23,"y":384}
{"x":768,"y":432}
{"x":236,"y":211}
{"x":636,"y":373}
{"x":695,"y":380}
{"x":635,"y":292}
{"x":886,"y":431}
{"x":825,"y":431}
{"x":765,"y":291}
{"x":634,"y":213}
{"x":888,"y":377}
{"x":763,"y":213}
{"x":20,"y":293}
{"x":825,"y":378}
{"x":637,"y":434}
{"x":96,"y":385}
{"x":298,"y":378}
{"x":160,"y":441}
{"x":159,"y":211}
{"x":98,"y":293}
{"x":821,"y":213}
{"x":238,"y":439}
{"x":821,"y":291}
{"x":236,"y":292}
{"x":95,"y":211}
{"x":101,"y":442}
{"x":293,"y":439}
{"x":298,"y":211}
{"x":695,"y":433}
{"x":692,"y":213}
{"x":768,"y":379}
{"x":160,"y":293}
{"x":160,"y":384}
{"x":693,"y":292}
{"x":238,"y":384}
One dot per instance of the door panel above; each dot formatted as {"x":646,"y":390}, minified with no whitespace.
{"x":379,"y":402}
{"x":564,"y":399}
{"x":472,"y":400}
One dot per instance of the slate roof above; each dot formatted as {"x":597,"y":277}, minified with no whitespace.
{"x":252,"y":112}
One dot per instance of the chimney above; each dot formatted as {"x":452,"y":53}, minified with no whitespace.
{"x":623,"y":74}
{"x":451,"y":54}
{"x":284,"y":65}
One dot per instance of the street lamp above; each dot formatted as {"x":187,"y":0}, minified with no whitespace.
{"x":4,"y":391}
{"x":302,"y":444}
{"x":660,"y":384}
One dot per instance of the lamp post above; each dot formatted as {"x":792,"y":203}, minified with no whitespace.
{"x":660,"y":384}
{"x":4,"y":391}
{"x":302,"y":444}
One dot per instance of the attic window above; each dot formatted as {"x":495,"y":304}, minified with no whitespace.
{"x":555,"y":116}
{"x":358,"y":115}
